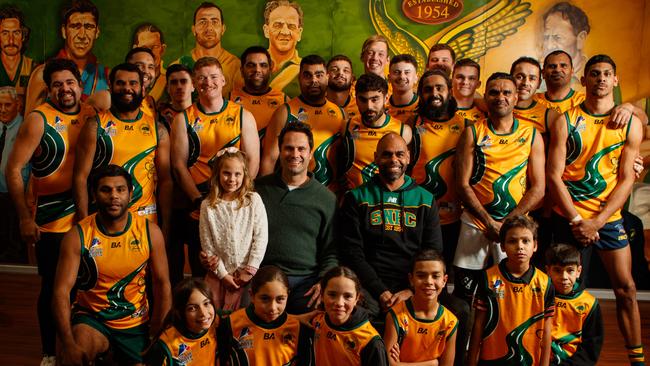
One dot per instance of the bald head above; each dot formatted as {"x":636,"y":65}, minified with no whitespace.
{"x":392,"y":157}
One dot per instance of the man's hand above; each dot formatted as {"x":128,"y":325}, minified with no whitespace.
{"x":73,"y":355}
{"x":208,"y":262}
{"x":242,"y":277}
{"x":29,"y":231}
{"x":230,"y":282}
{"x":620,"y":116}
{"x":385,"y":299}
{"x":638,"y":166}
{"x":314,"y":292}
{"x":401,"y":296}
{"x":393,"y":352}
{"x":586,"y":231}
{"x":492,"y":230}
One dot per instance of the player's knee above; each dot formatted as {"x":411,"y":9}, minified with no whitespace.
{"x":626,"y":292}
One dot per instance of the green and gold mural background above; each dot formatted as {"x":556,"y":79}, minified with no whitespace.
{"x":492,"y":32}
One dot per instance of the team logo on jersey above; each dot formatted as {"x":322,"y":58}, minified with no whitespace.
{"x":184,"y":354}
{"x":145,"y":129}
{"x":245,"y":331}
{"x":197,"y":126}
{"x":95,"y":248}
{"x":237,"y":100}
{"x":498,"y":287}
{"x":580,"y":125}
{"x":229,"y":120}
{"x":421,"y":130}
{"x":110,"y":128}
{"x":302,"y":115}
{"x":581,"y":309}
{"x":58,"y":124}
{"x":522,"y":141}
{"x":134,"y":245}
{"x":140,"y":313}
{"x":331,"y":112}
{"x":485,"y":143}
{"x":350,"y":343}
{"x":272,"y":103}
{"x":288,"y":338}
{"x":455,"y":128}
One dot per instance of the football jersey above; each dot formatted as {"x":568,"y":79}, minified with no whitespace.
{"x":472,"y":114}
{"x":535,"y":114}
{"x":350,"y":107}
{"x":421,"y":339}
{"x":500,"y":163}
{"x":572,"y":100}
{"x":592,"y":161}
{"x":21,"y":78}
{"x":179,"y":349}
{"x":131,"y":144}
{"x":434,"y":148}
{"x":112,"y":272}
{"x":516,"y":309}
{"x":253,"y":342}
{"x":403,"y":112}
{"x":571,"y":313}
{"x":359,"y":146}
{"x":261,"y":106}
{"x":208,"y":133}
{"x":52,"y":165}
{"x":326,"y":123}
{"x":335,"y":346}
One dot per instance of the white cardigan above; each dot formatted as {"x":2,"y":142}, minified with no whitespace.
{"x":237,"y":235}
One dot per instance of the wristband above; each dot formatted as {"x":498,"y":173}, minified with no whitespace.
{"x":576,"y":219}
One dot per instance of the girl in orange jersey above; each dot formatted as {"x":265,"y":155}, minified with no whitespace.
{"x":343,"y":335}
{"x":263,"y":333}
{"x":188,"y":337}
{"x":233,"y":226}
{"x":420,"y":330}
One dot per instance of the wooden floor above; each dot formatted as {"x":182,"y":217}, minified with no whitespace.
{"x":20,"y":342}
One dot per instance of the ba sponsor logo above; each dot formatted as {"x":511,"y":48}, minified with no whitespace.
{"x":437,"y":126}
{"x":560,"y":304}
{"x":423,"y":330}
{"x":331,"y":335}
{"x":256,"y":102}
{"x":116,"y":244}
{"x":269,"y":336}
{"x":205,"y":342}
{"x":128,"y":128}
{"x":318,"y":112}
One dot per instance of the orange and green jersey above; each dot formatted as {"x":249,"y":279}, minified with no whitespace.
{"x":359,"y":146}
{"x":500,"y":163}
{"x":261,"y":106}
{"x":131,"y":144}
{"x":572,"y":100}
{"x":148,"y":107}
{"x":472,"y":113}
{"x":250,"y":341}
{"x":326,"y":123}
{"x":516,"y":309}
{"x":434,"y":148}
{"x":422,"y":339}
{"x":403,"y":112}
{"x":341,"y":345}
{"x":111,"y":281}
{"x":175,"y":348}
{"x":535,"y":114}
{"x":21,"y":77}
{"x":575,"y":319}
{"x":52,"y":166}
{"x":592,"y":161}
{"x":208,"y":133}
{"x":350,"y":107}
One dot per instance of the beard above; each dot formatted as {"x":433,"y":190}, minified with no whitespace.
{"x":339,"y":88}
{"x":446,"y":109}
{"x":369,"y":119}
{"x":124,"y":106}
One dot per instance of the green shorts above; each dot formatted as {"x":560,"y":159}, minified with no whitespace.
{"x":127,"y":344}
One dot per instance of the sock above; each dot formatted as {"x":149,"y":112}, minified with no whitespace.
{"x":635,"y":355}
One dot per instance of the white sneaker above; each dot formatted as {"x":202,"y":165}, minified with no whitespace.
{"x":48,"y":360}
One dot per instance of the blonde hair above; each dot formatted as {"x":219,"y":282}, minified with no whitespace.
{"x":243,"y":193}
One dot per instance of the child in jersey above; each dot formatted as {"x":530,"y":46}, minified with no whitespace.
{"x":514,"y":303}
{"x":188,"y":336}
{"x":263,"y":333}
{"x":232,"y":226}
{"x":420,"y":329}
{"x":578,"y":325}
{"x":343,"y":336}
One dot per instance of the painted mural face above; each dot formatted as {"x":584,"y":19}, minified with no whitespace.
{"x":80,"y":33}
{"x":283,"y":30}
{"x":152,"y":41}
{"x":11,"y":37}
{"x":208,"y":27}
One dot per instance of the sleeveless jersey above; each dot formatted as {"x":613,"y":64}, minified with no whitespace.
{"x":359,"y":144}
{"x":500,"y":161}
{"x":183,"y":350}
{"x":207,"y":134}
{"x":52,"y":166}
{"x":536,"y":115}
{"x":340,"y":347}
{"x":434,"y":147}
{"x":403,"y":112}
{"x":350,"y":107}
{"x":472,"y":114}
{"x":21,"y":78}
{"x":111,"y":281}
{"x":326,"y":123}
{"x":516,"y":308}
{"x":572,"y":100}
{"x":422,"y":339}
{"x":593,"y":154}
{"x":261,"y":106}
{"x":571,"y":312}
{"x":148,"y":107}
{"x":256,"y":343}
{"x":131,"y":144}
